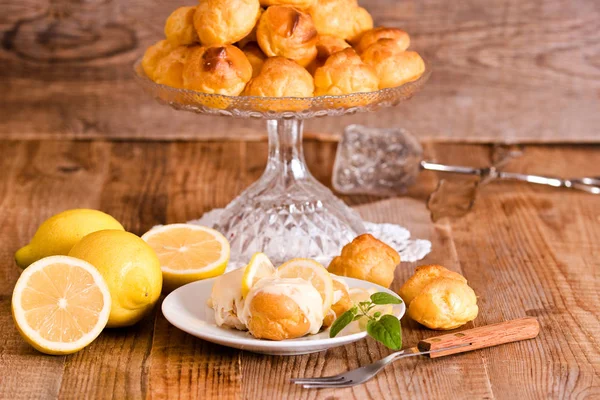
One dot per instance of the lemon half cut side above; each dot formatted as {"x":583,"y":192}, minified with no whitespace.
{"x":188,"y":253}
{"x":60,"y":304}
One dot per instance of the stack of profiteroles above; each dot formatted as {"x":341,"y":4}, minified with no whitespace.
{"x":280,"y":48}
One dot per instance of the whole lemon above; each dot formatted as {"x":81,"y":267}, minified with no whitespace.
{"x":58,"y":234}
{"x":130,"y":268}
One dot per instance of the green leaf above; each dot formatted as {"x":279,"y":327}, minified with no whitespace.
{"x":377,"y":314}
{"x":387,"y":331}
{"x":384,"y":298}
{"x":342,"y":321}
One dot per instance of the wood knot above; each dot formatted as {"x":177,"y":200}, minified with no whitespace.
{"x":68,"y":169}
{"x":67,"y":39}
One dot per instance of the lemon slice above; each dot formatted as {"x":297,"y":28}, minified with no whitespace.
{"x":188,"y":253}
{"x":359,"y":294}
{"x":314,"y":273}
{"x":60,"y":304}
{"x":259,"y":267}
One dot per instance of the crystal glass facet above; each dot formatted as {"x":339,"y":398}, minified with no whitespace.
{"x":287,"y":213}
{"x":375,"y":161}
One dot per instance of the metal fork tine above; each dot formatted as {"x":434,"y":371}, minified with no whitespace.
{"x":327,"y":385}
{"x":363,"y":374}
{"x":318,"y":380}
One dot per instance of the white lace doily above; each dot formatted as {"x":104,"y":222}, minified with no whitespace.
{"x":396,"y":236}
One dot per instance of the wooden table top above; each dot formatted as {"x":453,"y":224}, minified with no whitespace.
{"x":502,"y":70}
{"x":526,"y":251}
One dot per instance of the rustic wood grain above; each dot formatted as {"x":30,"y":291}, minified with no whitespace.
{"x":526,"y":251}
{"x":183,"y":367}
{"x":134,"y":194}
{"x":32,"y":176}
{"x":503,"y":71}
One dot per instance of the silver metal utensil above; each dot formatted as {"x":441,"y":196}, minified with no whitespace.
{"x":363,"y":374}
{"x":452,"y":343}
{"x":387,"y":162}
{"x":586,"y":184}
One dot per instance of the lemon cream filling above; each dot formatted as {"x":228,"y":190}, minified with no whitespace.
{"x":226,"y":299}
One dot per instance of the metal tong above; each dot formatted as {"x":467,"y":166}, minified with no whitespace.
{"x":586,"y":184}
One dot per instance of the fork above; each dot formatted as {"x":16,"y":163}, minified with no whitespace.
{"x":452,"y":343}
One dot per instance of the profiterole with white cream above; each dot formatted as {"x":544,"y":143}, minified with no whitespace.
{"x":297,"y":299}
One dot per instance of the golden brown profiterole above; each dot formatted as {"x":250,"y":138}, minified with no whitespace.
{"x":393,"y":66}
{"x":439,"y":298}
{"x":280,"y":77}
{"x":179,"y":28}
{"x":282,"y":308}
{"x":154,"y":54}
{"x":401,"y":38}
{"x":169,"y":70}
{"x":225,"y":21}
{"x":276,"y":317}
{"x":220,"y":69}
{"x":300,"y":4}
{"x":444,"y":304}
{"x":362,"y":22}
{"x":326,"y":46}
{"x":367,"y":258}
{"x":251,"y":37}
{"x":341,"y":18}
{"x":255,"y":56}
{"x":423,"y":276}
{"x":344,"y":73}
{"x":288,"y":32}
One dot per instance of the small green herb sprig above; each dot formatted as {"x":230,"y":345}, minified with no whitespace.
{"x":383,"y":328}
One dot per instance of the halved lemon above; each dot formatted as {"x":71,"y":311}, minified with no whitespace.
{"x":188,"y":253}
{"x":314,"y":273}
{"x":259,"y":267}
{"x":60,"y":304}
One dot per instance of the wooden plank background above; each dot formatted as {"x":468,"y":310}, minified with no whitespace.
{"x":504,"y":70}
{"x":526,"y":251}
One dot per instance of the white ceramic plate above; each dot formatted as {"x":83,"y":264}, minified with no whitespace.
{"x":186,"y":309}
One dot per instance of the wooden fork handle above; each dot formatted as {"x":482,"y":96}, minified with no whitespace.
{"x":485,"y":336}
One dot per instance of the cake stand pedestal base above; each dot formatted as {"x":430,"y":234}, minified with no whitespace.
{"x":287,"y":213}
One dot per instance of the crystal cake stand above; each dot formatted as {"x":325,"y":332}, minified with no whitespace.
{"x":287,"y":213}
